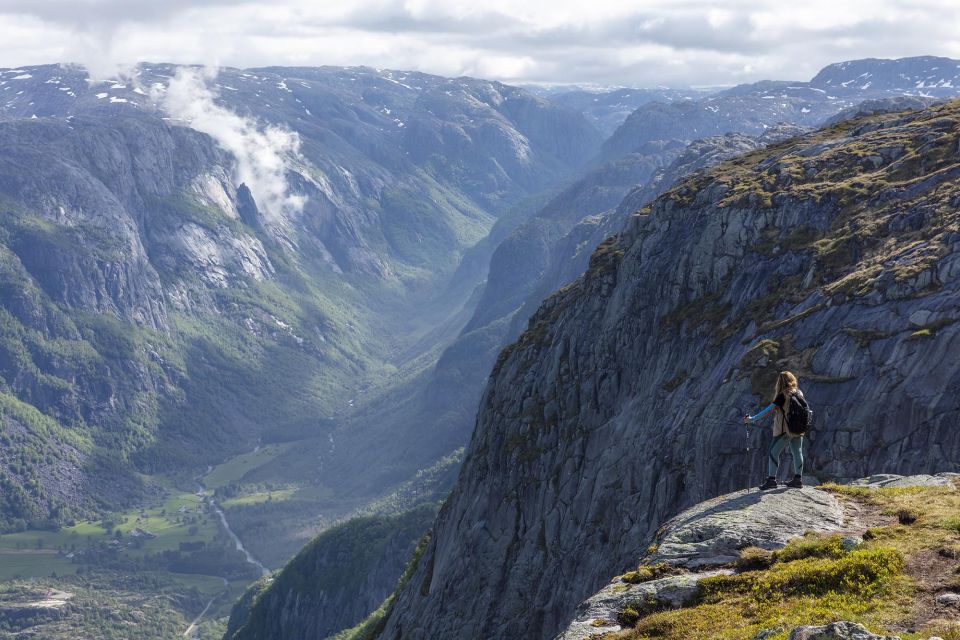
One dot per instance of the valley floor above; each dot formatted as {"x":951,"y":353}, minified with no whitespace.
{"x":177,"y":552}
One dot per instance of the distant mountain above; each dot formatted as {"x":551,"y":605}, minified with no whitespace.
{"x":606,"y":109}
{"x":877,"y":106}
{"x":922,"y":76}
{"x":751,"y":108}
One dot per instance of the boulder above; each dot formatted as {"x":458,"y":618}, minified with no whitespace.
{"x":837,"y":631}
{"x":714,"y":532}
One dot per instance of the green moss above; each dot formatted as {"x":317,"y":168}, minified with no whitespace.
{"x":706,"y":312}
{"x":775,"y":241}
{"x":606,"y":257}
{"x":628,"y":617}
{"x":952,"y":524}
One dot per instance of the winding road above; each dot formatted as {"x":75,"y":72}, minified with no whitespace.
{"x":195,"y":625}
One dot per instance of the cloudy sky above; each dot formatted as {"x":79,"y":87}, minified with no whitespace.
{"x":644,"y":42}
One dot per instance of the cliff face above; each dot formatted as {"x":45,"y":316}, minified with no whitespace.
{"x":835,"y":255}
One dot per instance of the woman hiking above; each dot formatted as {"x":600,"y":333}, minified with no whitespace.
{"x":785,"y":391}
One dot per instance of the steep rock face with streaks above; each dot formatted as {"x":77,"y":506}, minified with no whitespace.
{"x":835,"y":255}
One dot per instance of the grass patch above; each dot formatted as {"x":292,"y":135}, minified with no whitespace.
{"x":812,"y":546}
{"x":259,"y":497}
{"x":235,"y":468}
{"x":863,"y":571}
{"x":862,"y":585}
{"x":645,"y":573}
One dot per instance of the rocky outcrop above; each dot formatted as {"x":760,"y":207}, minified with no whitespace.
{"x":707,"y":540}
{"x":894,"y":481}
{"x":701,"y":539}
{"x":619,"y":405}
{"x":600,"y":613}
{"x":714,"y":531}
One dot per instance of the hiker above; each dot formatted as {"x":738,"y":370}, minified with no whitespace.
{"x":789,"y":428}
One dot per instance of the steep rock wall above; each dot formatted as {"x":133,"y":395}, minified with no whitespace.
{"x":836,"y":255}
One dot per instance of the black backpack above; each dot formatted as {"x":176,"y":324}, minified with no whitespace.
{"x":799,"y":415}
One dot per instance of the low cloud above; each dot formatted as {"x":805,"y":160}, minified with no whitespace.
{"x":263,"y":152}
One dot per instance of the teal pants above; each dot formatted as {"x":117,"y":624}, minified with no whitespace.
{"x":780,"y":443}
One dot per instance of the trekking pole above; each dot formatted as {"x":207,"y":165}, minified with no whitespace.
{"x":746,"y":426}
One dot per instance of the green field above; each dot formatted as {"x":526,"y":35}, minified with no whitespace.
{"x":260,"y":496}
{"x":235,"y":468}
{"x":32,"y":563}
{"x":176,"y":519}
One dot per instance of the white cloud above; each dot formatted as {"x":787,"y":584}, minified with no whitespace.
{"x":262,"y":152}
{"x":675,"y":42}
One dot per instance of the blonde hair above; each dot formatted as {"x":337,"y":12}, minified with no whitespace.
{"x":786,"y":382}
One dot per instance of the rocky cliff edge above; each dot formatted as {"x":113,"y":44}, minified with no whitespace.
{"x":831,"y":539}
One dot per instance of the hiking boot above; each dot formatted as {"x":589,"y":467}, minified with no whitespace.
{"x":771,"y":483}
{"x":796,"y":483}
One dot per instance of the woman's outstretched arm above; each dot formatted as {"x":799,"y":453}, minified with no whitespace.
{"x":764,"y":412}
